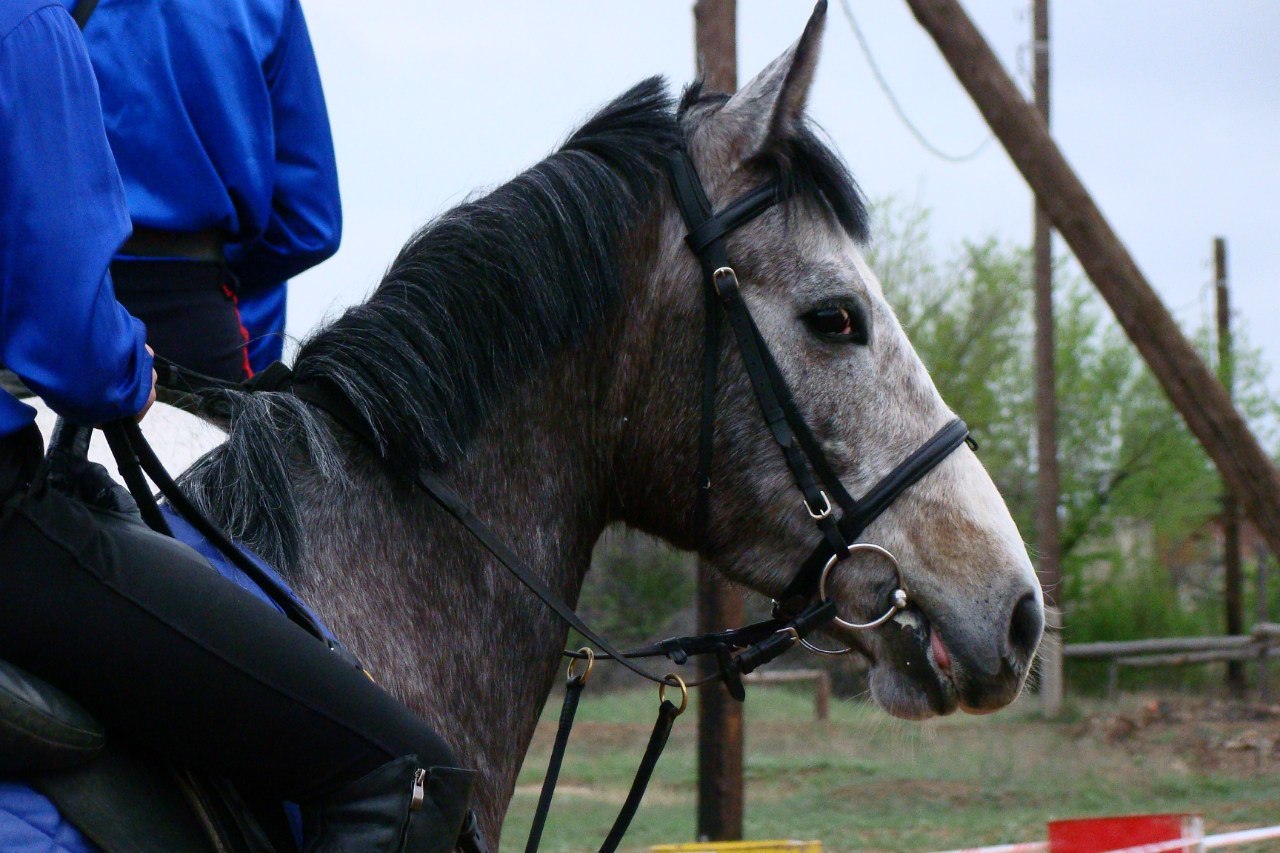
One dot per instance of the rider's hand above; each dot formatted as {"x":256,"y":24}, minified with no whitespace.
{"x":151,"y":398}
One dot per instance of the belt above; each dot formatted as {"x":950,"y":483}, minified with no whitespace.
{"x":207,"y":245}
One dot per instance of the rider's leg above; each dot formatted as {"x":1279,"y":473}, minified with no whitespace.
{"x":143,"y":632}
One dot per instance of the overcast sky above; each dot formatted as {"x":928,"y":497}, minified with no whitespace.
{"x":1169,"y":111}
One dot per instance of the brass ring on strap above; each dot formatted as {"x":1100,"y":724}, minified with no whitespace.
{"x":590,"y":656}
{"x":674,"y":680}
{"x":898,"y":600}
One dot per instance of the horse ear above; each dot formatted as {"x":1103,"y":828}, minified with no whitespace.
{"x":772,"y":104}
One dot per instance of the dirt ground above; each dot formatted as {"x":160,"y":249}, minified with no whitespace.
{"x":1237,"y":738}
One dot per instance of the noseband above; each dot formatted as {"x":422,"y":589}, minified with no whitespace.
{"x":811,"y":470}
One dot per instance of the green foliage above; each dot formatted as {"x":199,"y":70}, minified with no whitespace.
{"x":1136,"y":486}
{"x":1138,"y":494}
{"x":634,"y":587}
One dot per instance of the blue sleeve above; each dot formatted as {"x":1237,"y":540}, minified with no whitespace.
{"x":62,"y":215}
{"x":306,"y":215}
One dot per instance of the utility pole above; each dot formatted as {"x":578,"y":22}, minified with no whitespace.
{"x":1191,"y":386}
{"x":1233,"y":577}
{"x":1048,"y":540}
{"x":1261,"y":615}
{"x":720,"y":736}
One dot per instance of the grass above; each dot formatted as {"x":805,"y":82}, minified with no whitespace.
{"x":861,"y":781}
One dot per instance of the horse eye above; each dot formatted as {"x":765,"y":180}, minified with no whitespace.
{"x":839,"y":323}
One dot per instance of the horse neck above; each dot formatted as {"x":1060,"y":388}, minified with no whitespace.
{"x":437,"y":620}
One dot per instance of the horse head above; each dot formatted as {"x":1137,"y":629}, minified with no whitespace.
{"x":975,"y":617}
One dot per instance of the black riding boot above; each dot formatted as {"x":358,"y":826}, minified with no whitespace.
{"x":397,"y":808}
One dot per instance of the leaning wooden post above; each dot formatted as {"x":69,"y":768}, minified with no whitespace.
{"x":720,"y":736}
{"x":1190,"y":384}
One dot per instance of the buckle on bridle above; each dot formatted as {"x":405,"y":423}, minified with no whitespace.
{"x":723,"y":272}
{"x":826,"y":507}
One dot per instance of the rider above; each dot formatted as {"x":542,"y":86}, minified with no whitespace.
{"x":217,"y":121}
{"x":135,"y":625}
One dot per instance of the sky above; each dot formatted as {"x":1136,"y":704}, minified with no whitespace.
{"x":1169,"y":111}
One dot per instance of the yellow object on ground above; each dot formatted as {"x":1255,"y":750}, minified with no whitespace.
{"x":740,"y":847}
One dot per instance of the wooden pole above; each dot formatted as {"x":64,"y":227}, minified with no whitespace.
{"x":1261,"y":615}
{"x":1048,"y":540}
{"x":720,"y":735}
{"x":1190,"y":384}
{"x":1233,"y":576}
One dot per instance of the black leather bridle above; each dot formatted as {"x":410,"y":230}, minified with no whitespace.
{"x":803,"y":606}
{"x":814,"y":477}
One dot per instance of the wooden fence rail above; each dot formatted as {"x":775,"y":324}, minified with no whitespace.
{"x":1261,"y":644}
{"x":821,"y":685}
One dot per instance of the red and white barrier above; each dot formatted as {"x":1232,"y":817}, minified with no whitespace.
{"x":1197,"y":844}
{"x":1208,"y":842}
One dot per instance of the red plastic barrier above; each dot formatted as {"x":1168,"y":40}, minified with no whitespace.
{"x":1097,"y":835}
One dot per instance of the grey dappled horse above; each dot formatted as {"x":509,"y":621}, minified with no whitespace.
{"x":540,"y":348}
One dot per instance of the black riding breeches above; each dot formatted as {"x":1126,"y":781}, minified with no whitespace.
{"x":143,"y":632}
{"x":190,"y":311}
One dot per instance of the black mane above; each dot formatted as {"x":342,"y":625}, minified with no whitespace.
{"x":476,"y":301}
{"x":482,"y":296}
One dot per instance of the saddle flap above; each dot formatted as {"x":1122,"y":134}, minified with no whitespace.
{"x":41,"y":728}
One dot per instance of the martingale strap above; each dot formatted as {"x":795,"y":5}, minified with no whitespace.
{"x":667,"y":713}
{"x":572,"y":693}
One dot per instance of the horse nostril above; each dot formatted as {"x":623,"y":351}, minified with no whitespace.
{"x":1026,"y":626}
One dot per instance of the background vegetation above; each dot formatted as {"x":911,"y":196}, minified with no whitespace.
{"x":1141,"y":552}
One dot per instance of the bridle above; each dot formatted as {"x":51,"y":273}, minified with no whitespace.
{"x":814,"y":477}
{"x":803,"y":606}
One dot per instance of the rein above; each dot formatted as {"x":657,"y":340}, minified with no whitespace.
{"x":802,"y":608}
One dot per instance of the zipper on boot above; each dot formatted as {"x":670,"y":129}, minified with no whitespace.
{"x":419,"y":790}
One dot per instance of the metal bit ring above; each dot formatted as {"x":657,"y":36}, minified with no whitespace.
{"x":898,"y":599}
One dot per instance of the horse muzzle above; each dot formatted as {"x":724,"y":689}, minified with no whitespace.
{"x":929,"y":664}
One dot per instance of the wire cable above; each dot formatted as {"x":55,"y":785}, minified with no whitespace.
{"x":897,"y":105}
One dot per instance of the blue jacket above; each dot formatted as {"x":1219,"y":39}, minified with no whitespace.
{"x":62,"y":216}
{"x":217,"y":119}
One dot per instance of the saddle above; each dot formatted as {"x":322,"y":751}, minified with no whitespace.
{"x":117,"y":794}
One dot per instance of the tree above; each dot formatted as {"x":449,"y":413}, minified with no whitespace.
{"x":1135,"y":483}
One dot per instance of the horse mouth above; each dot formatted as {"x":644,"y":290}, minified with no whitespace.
{"x":913,"y":676}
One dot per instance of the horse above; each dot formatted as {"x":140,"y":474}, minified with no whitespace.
{"x":539,"y":348}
